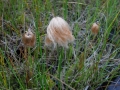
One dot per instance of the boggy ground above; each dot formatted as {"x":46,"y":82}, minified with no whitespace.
{"x":90,"y":63}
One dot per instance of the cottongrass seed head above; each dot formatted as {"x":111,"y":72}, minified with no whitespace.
{"x":95,"y":28}
{"x":58,"y":32}
{"x":28,"y":38}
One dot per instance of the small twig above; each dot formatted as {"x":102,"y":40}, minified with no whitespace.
{"x":77,"y":3}
{"x":74,"y":3}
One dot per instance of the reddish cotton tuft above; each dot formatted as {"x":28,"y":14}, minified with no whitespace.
{"x":95,"y":28}
{"x":28,"y":38}
{"x":48,"y":42}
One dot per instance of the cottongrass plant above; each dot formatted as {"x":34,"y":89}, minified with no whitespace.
{"x":29,"y":40}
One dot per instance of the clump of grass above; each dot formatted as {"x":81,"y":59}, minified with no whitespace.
{"x":97,"y":58}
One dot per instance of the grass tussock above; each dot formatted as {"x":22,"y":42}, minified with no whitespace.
{"x":90,"y":62}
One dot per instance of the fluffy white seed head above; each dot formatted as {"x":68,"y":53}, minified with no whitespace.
{"x":58,"y":32}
